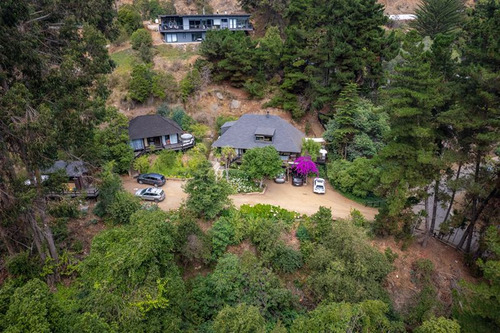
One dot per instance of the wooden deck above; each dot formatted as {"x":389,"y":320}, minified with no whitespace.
{"x":89,"y":193}
{"x":174,"y":147}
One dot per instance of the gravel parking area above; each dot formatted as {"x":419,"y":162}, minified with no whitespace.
{"x":300,"y":199}
{"x":173,"y":191}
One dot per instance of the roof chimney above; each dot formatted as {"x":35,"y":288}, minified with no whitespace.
{"x":267,"y":114}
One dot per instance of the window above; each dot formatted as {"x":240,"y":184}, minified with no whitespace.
{"x":232,"y":23}
{"x":197,"y":37}
{"x":263,"y":138}
{"x":137,"y":144}
{"x":171,"y":38}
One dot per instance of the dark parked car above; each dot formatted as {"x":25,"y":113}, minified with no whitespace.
{"x":297,"y":180}
{"x":280,"y":179}
{"x":154,"y":179}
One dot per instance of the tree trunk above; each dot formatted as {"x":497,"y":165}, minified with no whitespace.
{"x":453,"y":193}
{"x":261,"y":181}
{"x":426,"y":207}
{"x":227,"y":171}
{"x":6,"y":241}
{"x":470,"y":228}
{"x":434,"y":206}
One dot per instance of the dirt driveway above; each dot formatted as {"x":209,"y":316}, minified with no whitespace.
{"x":303,"y":200}
{"x":173,"y":191}
{"x":299,"y":199}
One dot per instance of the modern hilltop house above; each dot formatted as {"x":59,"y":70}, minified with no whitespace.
{"x":153,"y":132}
{"x":192,"y":28}
{"x":255,"y":130}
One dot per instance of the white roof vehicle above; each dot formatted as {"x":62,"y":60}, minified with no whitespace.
{"x":151,"y":193}
{"x":319,"y":186}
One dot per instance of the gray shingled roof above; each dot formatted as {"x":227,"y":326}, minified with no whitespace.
{"x":242,"y":134}
{"x":151,"y":125}
{"x":72,"y":168}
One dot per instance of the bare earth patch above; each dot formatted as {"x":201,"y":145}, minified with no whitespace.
{"x":245,"y":246}
{"x":448,"y":264}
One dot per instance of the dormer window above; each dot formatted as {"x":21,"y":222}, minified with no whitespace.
{"x":264,"y":134}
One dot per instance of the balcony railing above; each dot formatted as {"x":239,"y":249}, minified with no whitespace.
{"x":167,"y":27}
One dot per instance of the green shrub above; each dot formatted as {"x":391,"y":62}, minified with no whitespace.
{"x":221,"y":120}
{"x":242,"y":318}
{"x":141,"y":164}
{"x":269,"y":212}
{"x":190,"y":84}
{"x":60,"y":229}
{"x":110,"y":184}
{"x":358,"y":177}
{"x":254,"y":89}
{"x":22,"y":266}
{"x":141,"y":83}
{"x":426,"y":304}
{"x":141,"y":37}
{"x":390,"y":255}
{"x":438,"y":325}
{"x":199,"y":130}
{"x":167,"y":159}
{"x":345,"y":267}
{"x":129,"y":18}
{"x":286,"y":259}
{"x":122,"y":207}
{"x":222,"y":234}
{"x":302,"y":233}
{"x":64,"y":208}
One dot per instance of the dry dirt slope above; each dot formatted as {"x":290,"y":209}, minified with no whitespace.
{"x":232,"y":6}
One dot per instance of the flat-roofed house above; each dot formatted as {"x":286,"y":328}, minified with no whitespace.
{"x":193,"y":28}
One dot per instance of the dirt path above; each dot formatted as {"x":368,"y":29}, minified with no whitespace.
{"x":303,"y":200}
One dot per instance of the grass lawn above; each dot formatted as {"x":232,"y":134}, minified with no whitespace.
{"x":124,"y":60}
{"x":173,"y":53}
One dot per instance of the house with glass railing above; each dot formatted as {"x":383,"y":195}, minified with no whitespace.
{"x":193,"y":28}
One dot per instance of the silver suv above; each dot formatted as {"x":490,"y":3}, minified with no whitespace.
{"x":151,"y":194}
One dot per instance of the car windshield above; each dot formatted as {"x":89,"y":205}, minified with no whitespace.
{"x":143,"y":191}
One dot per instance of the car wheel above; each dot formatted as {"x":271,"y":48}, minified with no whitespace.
{"x":156,"y":200}
{"x":140,"y":182}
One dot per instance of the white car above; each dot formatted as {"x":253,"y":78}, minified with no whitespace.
{"x":151,"y":194}
{"x":319,"y":186}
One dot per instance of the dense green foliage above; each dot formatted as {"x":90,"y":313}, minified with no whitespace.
{"x":140,"y":38}
{"x":402,"y":130}
{"x":357,"y":128}
{"x":146,"y":83}
{"x":359,"y":177}
{"x":207,"y":195}
{"x":438,"y":17}
{"x":262,"y":162}
{"x":367,"y":316}
{"x":129,"y":18}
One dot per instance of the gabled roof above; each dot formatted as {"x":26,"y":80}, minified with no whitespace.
{"x":242,"y":134}
{"x":151,"y":125}
{"x":72,"y":168}
{"x":266,"y":131}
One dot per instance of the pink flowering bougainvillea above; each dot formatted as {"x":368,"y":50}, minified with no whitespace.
{"x":305,"y":166}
